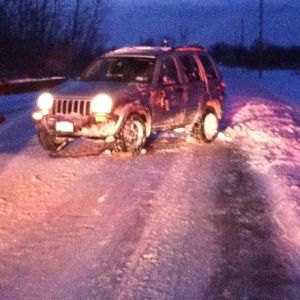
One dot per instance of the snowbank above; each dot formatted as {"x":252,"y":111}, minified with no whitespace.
{"x":262,"y":118}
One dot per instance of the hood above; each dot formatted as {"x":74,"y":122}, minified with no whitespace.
{"x":89,"y":89}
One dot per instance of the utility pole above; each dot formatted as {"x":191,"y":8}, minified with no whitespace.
{"x":242,"y":44}
{"x":236,"y":37}
{"x":261,"y":38}
{"x":242,"y":32}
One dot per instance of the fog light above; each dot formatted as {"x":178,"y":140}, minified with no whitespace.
{"x":100,"y":118}
{"x":37,"y":116}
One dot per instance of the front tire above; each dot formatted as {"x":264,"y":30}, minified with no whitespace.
{"x":132,"y":136}
{"x":49,"y":141}
{"x":207,"y":127}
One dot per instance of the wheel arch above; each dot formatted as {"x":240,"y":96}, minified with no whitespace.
{"x":132,"y":108}
{"x":215,"y":105}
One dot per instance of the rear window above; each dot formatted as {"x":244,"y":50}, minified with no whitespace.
{"x":190,"y":68}
{"x":208,"y":66}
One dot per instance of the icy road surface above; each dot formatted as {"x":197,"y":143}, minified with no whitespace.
{"x":183,"y":221}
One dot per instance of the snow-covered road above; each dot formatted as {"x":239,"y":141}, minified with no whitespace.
{"x":183,"y":221}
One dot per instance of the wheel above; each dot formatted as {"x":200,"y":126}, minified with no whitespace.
{"x":49,"y":141}
{"x":132,"y":136}
{"x":206,"y":128}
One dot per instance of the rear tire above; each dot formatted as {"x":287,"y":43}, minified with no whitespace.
{"x":207,"y":127}
{"x":132,"y":136}
{"x":49,"y":141}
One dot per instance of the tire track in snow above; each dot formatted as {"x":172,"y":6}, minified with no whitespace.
{"x":166,"y":263}
{"x":250,"y":263}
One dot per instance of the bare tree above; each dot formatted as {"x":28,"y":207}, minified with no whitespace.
{"x":36,"y":28}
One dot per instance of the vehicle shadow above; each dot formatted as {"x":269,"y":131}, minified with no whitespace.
{"x":165,"y":141}
{"x":249,"y":265}
{"x":168,"y":141}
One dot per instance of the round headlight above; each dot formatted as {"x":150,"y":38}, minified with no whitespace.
{"x":101,"y":104}
{"x":45,"y":101}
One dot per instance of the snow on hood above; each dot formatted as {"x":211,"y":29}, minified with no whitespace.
{"x":90,"y":89}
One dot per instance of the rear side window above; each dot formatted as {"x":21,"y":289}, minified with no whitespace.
{"x":190,"y":68}
{"x":208,"y":66}
{"x":168,"y":74}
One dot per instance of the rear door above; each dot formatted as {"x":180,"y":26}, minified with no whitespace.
{"x":167,"y":96}
{"x":194,"y":87}
{"x":212,"y":74}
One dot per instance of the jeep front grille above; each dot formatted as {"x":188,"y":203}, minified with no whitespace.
{"x":74,"y":106}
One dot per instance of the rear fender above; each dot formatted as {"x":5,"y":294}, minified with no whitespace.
{"x":213,"y":104}
{"x":216,"y":105}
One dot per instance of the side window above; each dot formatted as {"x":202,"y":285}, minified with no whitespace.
{"x":168,"y":73}
{"x":208,"y":66}
{"x":190,"y":68}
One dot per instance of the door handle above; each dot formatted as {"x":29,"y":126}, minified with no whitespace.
{"x":179,"y":89}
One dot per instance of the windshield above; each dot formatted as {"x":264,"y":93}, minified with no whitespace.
{"x":123,"y":69}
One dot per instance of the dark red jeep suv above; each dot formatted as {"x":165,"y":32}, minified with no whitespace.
{"x":126,"y":94}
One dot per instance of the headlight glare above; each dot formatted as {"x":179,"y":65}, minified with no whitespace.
{"x":101,"y":104}
{"x":45,"y":101}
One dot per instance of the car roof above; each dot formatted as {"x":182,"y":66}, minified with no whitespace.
{"x":153,"y":52}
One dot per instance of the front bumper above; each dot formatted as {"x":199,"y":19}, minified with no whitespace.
{"x":102,"y":127}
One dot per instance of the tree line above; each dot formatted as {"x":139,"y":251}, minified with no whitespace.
{"x":273,"y":56}
{"x":49,"y":37}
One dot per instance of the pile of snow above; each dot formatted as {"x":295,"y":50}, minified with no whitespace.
{"x":29,"y":80}
{"x":262,"y":118}
{"x":267,"y":131}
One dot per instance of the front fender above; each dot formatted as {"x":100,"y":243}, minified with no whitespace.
{"x":133,"y":108}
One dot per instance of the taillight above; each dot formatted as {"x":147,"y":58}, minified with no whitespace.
{"x":221,"y":87}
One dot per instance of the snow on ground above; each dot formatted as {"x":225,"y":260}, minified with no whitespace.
{"x":185,"y":221}
{"x":25,"y":80}
{"x":13,"y":103}
{"x":263,"y":118}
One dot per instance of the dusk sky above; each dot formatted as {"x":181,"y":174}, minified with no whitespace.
{"x":206,"y":22}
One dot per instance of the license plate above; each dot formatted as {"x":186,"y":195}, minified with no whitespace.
{"x":64,"y":126}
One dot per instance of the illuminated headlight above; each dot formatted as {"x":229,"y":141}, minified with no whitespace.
{"x":101,"y":104}
{"x":45,"y":102}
